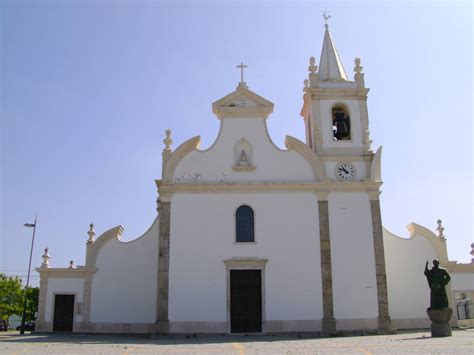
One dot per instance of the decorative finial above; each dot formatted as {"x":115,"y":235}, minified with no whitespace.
{"x":358,"y":76}
{"x":168,"y":141}
{"x":71,"y":265}
{"x":472,"y":253}
{"x":312,"y":65}
{"x":440,"y":230}
{"x":357,"y":68}
{"x":46,"y":257}
{"x":91,"y":233}
{"x":242,"y":66}
{"x":326,"y":16}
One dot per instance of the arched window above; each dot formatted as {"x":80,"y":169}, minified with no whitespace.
{"x":341,"y":123}
{"x":244,"y":224}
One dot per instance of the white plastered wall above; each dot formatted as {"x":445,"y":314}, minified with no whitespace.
{"x":124,"y":286}
{"x":462,"y":282}
{"x":69,"y":286}
{"x":215,"y":164}
{"x":408,"y":290}
{"x":352,"y":257}
{"x":286,"y":233}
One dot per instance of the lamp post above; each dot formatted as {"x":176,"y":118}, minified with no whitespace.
{"x":23,"y":318}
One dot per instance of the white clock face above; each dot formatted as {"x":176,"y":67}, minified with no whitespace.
{"x":345,"y":171}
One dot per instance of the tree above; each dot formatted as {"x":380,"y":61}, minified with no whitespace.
{"x":32,"y":295}
{"x":11,"y":296}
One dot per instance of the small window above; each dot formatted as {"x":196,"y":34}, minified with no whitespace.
{"x":244,"y":224}
{"x":341,"y":123}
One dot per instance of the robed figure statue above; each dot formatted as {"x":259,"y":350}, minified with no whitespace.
{"x":437,"y":278}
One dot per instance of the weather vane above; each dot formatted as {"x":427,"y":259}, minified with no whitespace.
{"x":327,"y":16}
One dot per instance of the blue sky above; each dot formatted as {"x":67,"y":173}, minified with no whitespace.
{"x":89,"y":87}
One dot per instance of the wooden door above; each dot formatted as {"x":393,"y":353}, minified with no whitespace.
{"x":246,"y":301}
{"x":63,"y":313}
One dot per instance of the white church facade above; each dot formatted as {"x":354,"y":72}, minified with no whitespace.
{"x":250,"y":238}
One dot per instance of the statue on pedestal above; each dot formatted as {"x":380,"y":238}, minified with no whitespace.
{"x":437,"y":278}
{"x":439,"y":312}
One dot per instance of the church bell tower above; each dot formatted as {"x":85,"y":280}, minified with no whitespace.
{"x":337,"y":131}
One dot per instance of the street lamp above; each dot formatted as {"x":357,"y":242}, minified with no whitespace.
{"x":23,"y":318}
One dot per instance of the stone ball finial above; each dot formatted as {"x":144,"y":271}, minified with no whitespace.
{"x":46,"y":257}
{"x":312,"y":65}
{"x":91,"y":233}
{"x":168,"y":141}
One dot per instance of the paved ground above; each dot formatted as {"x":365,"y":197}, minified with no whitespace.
{"x":462,"y":342}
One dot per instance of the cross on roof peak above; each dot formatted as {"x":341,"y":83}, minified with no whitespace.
{"x":242,"y":66}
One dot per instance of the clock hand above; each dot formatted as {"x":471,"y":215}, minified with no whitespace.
{"x":344,"y":170}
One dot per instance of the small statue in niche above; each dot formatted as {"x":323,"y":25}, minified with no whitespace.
{"x":243,"y":161}
{"x":437,"y":278}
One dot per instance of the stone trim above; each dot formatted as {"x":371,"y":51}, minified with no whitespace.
{"x":222,"y":109}
{"x":384,"y":323}
{"x":167,"y":189}
{"x":312,"y":159}
{"x":338,"y":93}
{"x":358,"y":324}
{"x":287,"y":326}
{"x":328,"y":321}
{"x":175,"y":157}
{"x":244,"y":264}
{"x":43,"y":291}
{"x":79,"y":273}
{"x":162,"y":294}
{"x":86,"y":303}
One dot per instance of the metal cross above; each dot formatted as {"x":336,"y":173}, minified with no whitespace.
{"x":326,"y":15}
{"x":242,"y":66}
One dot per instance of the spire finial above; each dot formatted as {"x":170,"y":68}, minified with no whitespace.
{"x":242,"y":66}
{"x":326,"y":16}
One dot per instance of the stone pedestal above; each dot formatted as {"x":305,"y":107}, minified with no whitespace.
{"x":440,"y":322}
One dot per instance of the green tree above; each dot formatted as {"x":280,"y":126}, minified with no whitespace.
{"x":32,"y":295}
{"x":11,"y":296}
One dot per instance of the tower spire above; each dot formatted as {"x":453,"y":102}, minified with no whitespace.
{"x":330,"y":65}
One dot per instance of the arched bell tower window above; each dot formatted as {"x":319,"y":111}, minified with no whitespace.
{"x":341,"y":123}
{"x":244,"y":223}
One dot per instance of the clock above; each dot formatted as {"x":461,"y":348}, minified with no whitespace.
{"x":345,"y":171}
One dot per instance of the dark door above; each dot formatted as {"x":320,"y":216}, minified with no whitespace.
{"x":245,"y":301}
{"x":63,"y":313}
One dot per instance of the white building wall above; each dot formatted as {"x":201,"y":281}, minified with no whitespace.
{"x":286,"y":233}
{"x":408,"y":290}
{"x":215,"y":164}
{"x":124,"y":286}
{"x":352,"y":256}
{"x":462,"y":282}
{"x":63,"y":286}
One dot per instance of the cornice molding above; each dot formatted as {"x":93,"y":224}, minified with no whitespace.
{"x":167,"y":189}
{"x":79,"y":272}
{"x":338,"y":93}
{"x":456,"y":268}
